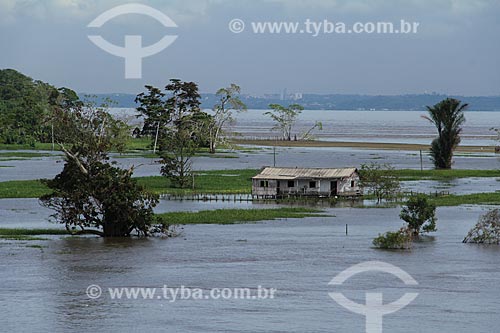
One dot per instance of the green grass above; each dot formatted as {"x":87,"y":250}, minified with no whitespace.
{"x":467,"y":199}
{"x":31,"y":232}
{"x":232,"y":216}
{"x":408,"y":174}
{"x":22,"y":189}
{"x":206,"y":182}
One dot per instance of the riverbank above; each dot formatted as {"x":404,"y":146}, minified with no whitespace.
{"x":359,"y":145}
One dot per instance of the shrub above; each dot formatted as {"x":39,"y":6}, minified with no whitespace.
{"x":398,"y":240}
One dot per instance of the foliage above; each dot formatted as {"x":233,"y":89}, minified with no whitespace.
{"x":90,"y":194}
{"x":24,"y":108}
{"x":419,"y":214}
{"x":180,"y":124}
{"x":448,"y":117}
{"x":397,"y":240}
{"x":284,"y":118}
{"x":380,"y":180}
{"x":229,"y":102}
{"x":104,"y":197}
{"x":486,"y":230}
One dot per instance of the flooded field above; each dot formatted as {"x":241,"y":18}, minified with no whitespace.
{"x":44,"y":289}
{"x":48,"y":167}
{"x":44,"y":281}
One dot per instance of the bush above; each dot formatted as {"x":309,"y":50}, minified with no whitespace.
{"x":398,"y":240}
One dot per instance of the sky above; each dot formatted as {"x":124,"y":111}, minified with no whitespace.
{"x":455,"y":49}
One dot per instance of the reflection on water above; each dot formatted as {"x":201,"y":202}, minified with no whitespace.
{"x":457,"y":282}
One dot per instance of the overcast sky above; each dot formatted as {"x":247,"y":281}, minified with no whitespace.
{"x":455,"y":50}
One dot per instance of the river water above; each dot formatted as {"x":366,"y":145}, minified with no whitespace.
{"x":44,"y":289}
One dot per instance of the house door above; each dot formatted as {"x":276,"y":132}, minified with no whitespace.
{"x":333,"y":187}
{"x":278,"y":187}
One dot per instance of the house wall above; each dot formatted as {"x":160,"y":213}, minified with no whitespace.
{"x":301,"y":186}
{"x":271,"y":190}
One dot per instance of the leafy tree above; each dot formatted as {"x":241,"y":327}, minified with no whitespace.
{"x":448,"y":117}
{"x":180,"y":126}
{"x":285,"y":118}
{"x":229,"y":102}
{"x":153,"y":110}
{"x":91,"y":195}
{"x":419,"y":214}
{"x":23,"y":108}
{"x":379,"y":179}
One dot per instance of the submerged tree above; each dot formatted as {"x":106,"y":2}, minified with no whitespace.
{"x":486,"y":230}
{"x":229,"y":102}
{"x":419,"y":214}
{"x":91,"y":195}
{"x":448,"y":117}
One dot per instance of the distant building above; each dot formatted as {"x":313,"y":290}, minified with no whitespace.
{"x":274,"y":182}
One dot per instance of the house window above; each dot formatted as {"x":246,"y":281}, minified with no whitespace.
{"x":352,"y":183}
{"x":312,"y":184}
{"x":291,"y":183}
{"x":264,"y":183}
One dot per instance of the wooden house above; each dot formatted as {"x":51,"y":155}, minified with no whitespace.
{"x":274,"y":182}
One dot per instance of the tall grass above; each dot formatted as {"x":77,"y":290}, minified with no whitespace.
{"x":231,"y":216}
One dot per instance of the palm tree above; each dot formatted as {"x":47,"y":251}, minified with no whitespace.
{"x":448,"y":117}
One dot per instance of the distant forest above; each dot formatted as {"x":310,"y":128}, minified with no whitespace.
{"x":416,"y":102}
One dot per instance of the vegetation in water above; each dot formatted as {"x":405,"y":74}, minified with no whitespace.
{"x":231,"y":216}
{"x":448,"y":117}
{"x":486,"y":230}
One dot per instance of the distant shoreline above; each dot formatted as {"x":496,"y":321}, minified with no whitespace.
{"x":361,"y":145}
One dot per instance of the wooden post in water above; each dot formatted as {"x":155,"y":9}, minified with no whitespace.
{"x":421,"y":162}
{"x":346,"y":229}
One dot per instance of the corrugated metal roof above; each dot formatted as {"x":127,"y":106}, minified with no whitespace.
{"x":294,"y":173}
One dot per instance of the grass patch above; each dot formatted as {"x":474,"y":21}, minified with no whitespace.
{"x":31,"y":232}
{"x":408,"y":174}
{"x":467,"y":199}
{"x":206,"y":182}
{"x":232,"y":216}
{"x":22,"y":189}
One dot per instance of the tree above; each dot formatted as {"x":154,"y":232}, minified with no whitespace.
{"x":180,"y":126}
{"x":153,"y":110}
{"x":91,"y":195}
{"x":380,"y":180}
{"x":486,"y":230}
{"x":285,"y":118}
{"x":229,"y":102}
{"x":419,"y":214}
{"x":23,"y":108}
{"x":448,"y":117}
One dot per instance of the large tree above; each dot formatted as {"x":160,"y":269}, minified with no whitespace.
{"x":23,"y":108}
{"x":229,"y":102}
{"x":180,"y":126}
{"x":448,"y":117}
{"x":91,"y":195}
{"x":284,"y":118}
